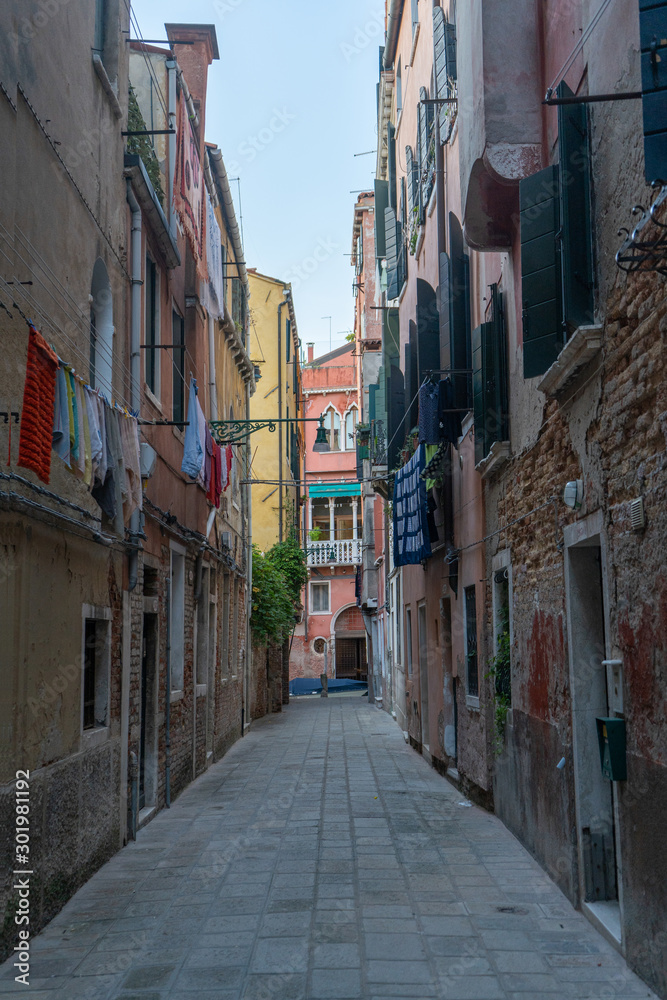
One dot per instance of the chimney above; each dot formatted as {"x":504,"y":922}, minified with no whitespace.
{"x":195,"y":59}
{"x":311,"y":349}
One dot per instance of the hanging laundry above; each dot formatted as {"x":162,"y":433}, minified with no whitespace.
{"x":94,"y":427}
{"x":129,"y":437}
{"x":61,"y":424}
{"x":104,"y":488}
{"x":429,"y":429}
{"x":79,"y":466}
{"x":39,"y":395}
{"x":450,"y":423}
{"x":193,"y":451}
{"x":202,"y":427}
{"x":210,"y":492}
{"x":87,"y":451}
{"x":101,"y":408}
{"x":229,"y":456}
{"x":73,"y":417}
{"x":224,"y":474}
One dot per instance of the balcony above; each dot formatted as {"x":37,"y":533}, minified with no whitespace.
{"x":343,"y":552}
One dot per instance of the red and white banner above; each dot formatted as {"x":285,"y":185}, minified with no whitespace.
{"x":189,"y":187}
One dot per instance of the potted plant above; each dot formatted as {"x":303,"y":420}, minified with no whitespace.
{"x":315,"y":534}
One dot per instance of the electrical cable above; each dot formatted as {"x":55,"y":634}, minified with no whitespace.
{"x":47,"y":493}
{"x":135,"y":23}
{"x":577,"y":48}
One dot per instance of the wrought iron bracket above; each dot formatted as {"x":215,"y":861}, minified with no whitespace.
{"x":237,"y":431}
{"x":645,"y":247}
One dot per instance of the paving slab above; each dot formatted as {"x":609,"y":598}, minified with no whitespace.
{"x":322,"y":859}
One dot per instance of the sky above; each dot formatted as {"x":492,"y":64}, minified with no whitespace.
{"x":290,"y":102}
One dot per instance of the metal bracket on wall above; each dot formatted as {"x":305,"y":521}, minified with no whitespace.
{"x":645,"y":249}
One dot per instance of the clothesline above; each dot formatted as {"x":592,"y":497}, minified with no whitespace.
{"x":97,"y":441}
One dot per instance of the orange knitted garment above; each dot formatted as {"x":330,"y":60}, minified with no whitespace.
{"x":38,"y":398}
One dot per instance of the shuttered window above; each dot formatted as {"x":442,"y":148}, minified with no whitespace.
{"x":426,"y":121}
{"x":653,"y":44}
{"x":412,"y":179}
{"x":556,"y":245}
{"x":381,"y":202}
{"x":393,"y":239}
{"x":540,"y":271}
{"x":391,"y":164}
{"x":459,"y":315}
{"x":444,"y":294}
{"x":444,"y":52}
{"x":490,"y":389}
{"x":575,"y":214}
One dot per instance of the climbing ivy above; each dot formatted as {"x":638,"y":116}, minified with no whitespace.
{"x":142,"y":145}
{"x":278,"y":578}
{"x":500,"y":673}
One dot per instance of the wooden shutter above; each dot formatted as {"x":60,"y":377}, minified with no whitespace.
{"x":500,"y":367}
{"x":392,"y":244}
{"x":540,"y":271}
{"x":459,"y":314}
{"x":391,"y":164}
{"x":439,"y":55}
{"x":653,"y":44}
{"x":478,"y":393}
{"x":411,"y":179}
{"x":575,"y":213}
{"x":381,"y":202}
{"x":395,"y":413}
{"x":444,"y":295}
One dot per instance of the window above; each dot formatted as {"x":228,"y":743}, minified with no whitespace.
{"x":152,"y":327}
{"x":332,"y":427}
{"x":177,"y":619}
{"x":489,"y":379}
{"x":408,"y":640}
{"x":178,"y":361}
{"x":319,"y":598}
{"x":96,"y":660}
{"x":557,"y":281}
{"x":288,"y":340}
{"x":350,"y":428}
{"x":472,"y":674}
{"x":319,"y":645}
{"x":101,"y":331}
{"x":444,"y":47}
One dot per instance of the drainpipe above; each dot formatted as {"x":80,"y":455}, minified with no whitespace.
{"x":212,"y":386}
{"x":171,"y":99}
{"x":248,"y":642}
{"x":167,"y":711}
{"x":280,"y":413}
{"x":135,"y":365}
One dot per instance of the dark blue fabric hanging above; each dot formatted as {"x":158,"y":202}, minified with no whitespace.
{"x":412,"y":543}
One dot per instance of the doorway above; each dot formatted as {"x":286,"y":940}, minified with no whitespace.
{"x":351,"y":658}
{"x":423,"y":675}
{"x":595,"y":795}
{"x":147,"y":741}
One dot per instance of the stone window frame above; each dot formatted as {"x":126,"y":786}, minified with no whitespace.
{"x":320,"y":583}
{"x":100,"y":731}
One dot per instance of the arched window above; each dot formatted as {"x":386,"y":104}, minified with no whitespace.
{"x":101,"y":330}
{"x":350,"y":427}
{"x":332,"y":427}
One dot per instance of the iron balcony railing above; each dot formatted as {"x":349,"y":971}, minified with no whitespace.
{"x":343,"y":552}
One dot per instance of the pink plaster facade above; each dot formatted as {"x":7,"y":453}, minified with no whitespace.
{"x":333,"y":523}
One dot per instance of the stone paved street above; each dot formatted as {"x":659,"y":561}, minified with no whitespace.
{"x":322,"y":858}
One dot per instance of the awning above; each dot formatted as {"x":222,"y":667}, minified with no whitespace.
{"x":334,"y":489}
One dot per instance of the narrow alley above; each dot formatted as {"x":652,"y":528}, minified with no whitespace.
{"x":322,"y":857}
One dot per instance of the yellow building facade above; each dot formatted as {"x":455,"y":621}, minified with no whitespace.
{"x":275,"y":456}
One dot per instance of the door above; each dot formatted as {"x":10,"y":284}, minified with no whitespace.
{"x":423,"y":673}
{"x":147,"y":749}
{"x":597,"y":827}
{"x":351,"y":658}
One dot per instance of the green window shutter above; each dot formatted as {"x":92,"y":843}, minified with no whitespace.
{"x":653,"y":44}
{"x":500,"y":376}
{"x":395,"y":413}
{"x":575,"y":213}
{"x":372,"y":389}
{"x":450,"y":52}
{"x":540,"y":271}
{"x":411,"y":178}
{"x":444,"y":295}
{"x":440,"y":56}
{"x":392,"y":242}
{"x":428,"y":329}
{"x":478,"y":391}
{"x":381,"y":202}
{"x":391,"y":164}
{"x":459,"y":314}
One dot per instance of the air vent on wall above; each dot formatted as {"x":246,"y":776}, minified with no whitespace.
{"x":637,"y":514}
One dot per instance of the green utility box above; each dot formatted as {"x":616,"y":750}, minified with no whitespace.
{"x":611,"y":737}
